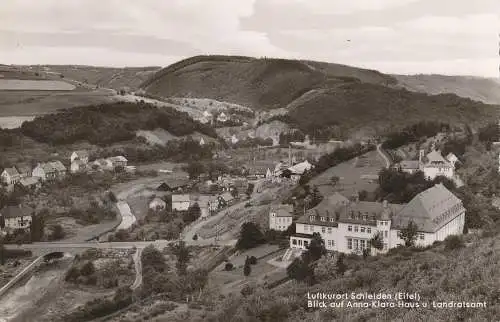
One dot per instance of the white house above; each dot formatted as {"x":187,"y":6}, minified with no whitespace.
{"x":202,"y":142}
{"x":280,"y":217}
{"x":49,"y":171}
{"x":181,"y":202}
{"x":157,"y":204}
{"x":78,"y":166}
{"x":118,"y":161}
{"x":81,"y":155}
{"x":207,"y":117}
{"x":10,"y":176}
{"x":222,"y":118}
{"x":349,"y":227}
{"x":434,"y":164}
{"x":16,"y":217}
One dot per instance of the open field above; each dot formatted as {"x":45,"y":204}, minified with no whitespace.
{"x":350,"y":174}
{"x":34,"y":85}
{"x":13,"y":122}
{"x":31,"y":103}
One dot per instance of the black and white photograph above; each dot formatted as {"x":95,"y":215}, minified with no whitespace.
{"x":250,"y":161}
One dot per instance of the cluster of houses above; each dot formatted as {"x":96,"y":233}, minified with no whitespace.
{"x":347,"y":225}
{"x":433,"y":164}
{"x":208,"y":118}
{"x":208,"y":204}
{"x":19,"y":217}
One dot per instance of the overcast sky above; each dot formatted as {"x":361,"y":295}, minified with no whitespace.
{"x":395,"y":36}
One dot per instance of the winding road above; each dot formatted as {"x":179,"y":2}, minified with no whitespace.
{"x":384,"y":156}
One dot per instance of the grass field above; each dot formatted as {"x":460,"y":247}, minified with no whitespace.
{"x":350,"y":174}
{"x":34,"y":85}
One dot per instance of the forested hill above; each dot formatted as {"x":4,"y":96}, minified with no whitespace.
{"x":318,"y":96}
{"x":110,"y":123}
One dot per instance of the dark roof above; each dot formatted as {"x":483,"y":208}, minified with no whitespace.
{"x":282,"y":210}
{"x":15,"y":211}
{"x":318,"y":222}
{"x":302,"y":235}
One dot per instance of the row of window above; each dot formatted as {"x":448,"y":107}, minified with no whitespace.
{"x":299,"y":242}
{"x":360,"y":244}
{"x":313,"y":228}
{"x":284,"y":220}
{"x":448,"y":213}
{"x":361,"y":229}
{"x":322,"y":218}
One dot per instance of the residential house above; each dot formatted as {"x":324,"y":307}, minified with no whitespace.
{"x":434,"y":164}
{"x":181,"y":202}
{"x":280,"y":217}
{"x":49,"y":171}
{"x":226,"y":199}
{"x":24,"y":170}
{"x":81,"y":155}
{"x":349,"y":227}
{"x":118,"y":161}
{"x":78,"y":166}
{"x":202,"y":142}
{"x":173,"y":185}
{"x":31,"y":183}
{"x":157,"y":204}
{"x":222,"y":117}
{"x":102,"y":164}
{"x":10,"y":176}
{"x":408,"y":166}
{"x":16,"y":217}
{"x":207,"y":117}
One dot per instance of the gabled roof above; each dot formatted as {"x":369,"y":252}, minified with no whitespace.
{"x":57,"y":165}
{"x":426,"y":209}
{"x":26,"y":182}
{"x":435,"y":158}
{"x":12,"y":172}
{"x":23,"y":168}
{"x":282,"y":210}
{"x":181,"y":198}
{"x":81,"y":154}
{"x":300,"y":168}
{"x":15,"y":211}
{"x":118,"y":158}
{"x":409,"y":164}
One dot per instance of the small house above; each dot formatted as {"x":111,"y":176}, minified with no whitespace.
{"x":24,"y":170}
{"x":16,"y":217}
{"x":157,"y":204}
{"x":222,"y":117}
{"x":10,"y":176}
{"x":118,"y":161}
{"x":280,"y":217}
{"x":31,"y":183}
{"x":81,"y":155}
{"x":102,"y":164}
{"x":181,"y":202}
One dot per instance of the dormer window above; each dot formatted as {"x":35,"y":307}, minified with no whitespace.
{"x":332,"y":219}
{"x":312,"y":218}
{"x":323,"y":218}
{"x":365,"y":217}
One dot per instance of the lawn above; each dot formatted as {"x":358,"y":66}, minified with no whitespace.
{"x":350,"y":174}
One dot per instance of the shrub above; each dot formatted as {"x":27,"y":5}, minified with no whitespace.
{"x":252,"y":260}
{"x":87,"y":269}
{"x":195,"y":237}
{"x":453,"y":242}
{"x":228,"y":267}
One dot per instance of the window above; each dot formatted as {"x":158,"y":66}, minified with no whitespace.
{"x":369,"y":230}
{"x":300,"y":242}
{"x":356,"y":229}
{"x":306,"y":227}
{"x":356,"y":244}
{"x":331,"y":243}
{"x":312,"y":218}
{"x":306,"y":243}
{"x":349,"y":243}
{"x":362,"y":244}
{"x":294,"y":241}
{"x":421,"y":236}
{"x":385,"y":234}
{"x":365,"y":217}
{"x":323,"y":218}
{"x":329,"y":230}
{"x":323,"y":230}
{"x":332,"y":219}
{"x":349,"y":228}
{"x":385,"y":246}
{"x":362,"y":229}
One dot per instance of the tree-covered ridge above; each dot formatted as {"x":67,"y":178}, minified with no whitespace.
{"x":110,"y":123}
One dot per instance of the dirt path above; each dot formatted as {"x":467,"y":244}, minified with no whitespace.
{"x":386,"y":159}
{"x":138,"y":269}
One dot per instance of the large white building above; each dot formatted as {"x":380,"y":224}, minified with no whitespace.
{"x":432,"y":165}
{"x":348,"y":226}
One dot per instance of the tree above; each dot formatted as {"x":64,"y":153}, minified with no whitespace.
{"x":2,"y":252}
{"x":409,"y":234}
{"x":154,"y":259}
{"x":57,"y":232}
{"x":183,"y":256}
{"x":192,"y":214}
{"x":87,"y":269}
{"x":37,"y":226}
{"x":195,"y":169}
{"x":316,"y":248}
{"x":453,"y":242}
{"x":247,"y":269}
{"x":300,"y":270}
{"x":377,"y":241}
{"x":250,"y":236}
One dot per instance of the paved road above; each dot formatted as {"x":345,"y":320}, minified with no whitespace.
{"x":386,"y":159}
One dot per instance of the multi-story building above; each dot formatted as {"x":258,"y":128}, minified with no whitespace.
{"x":348,"y":227}
{"x":280,"y":217}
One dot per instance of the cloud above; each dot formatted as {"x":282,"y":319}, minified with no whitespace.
{"x":479,"y":24}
